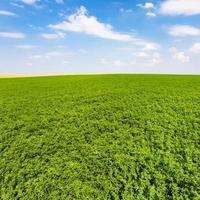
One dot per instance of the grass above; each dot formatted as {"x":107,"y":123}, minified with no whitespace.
{"x":100,"y":137}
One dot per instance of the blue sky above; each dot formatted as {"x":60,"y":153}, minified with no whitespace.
{"x":99,"y":36}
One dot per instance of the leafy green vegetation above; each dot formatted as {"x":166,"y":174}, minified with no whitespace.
{"x":100,"y":137}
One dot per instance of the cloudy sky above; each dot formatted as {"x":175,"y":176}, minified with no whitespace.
{"x":99,"y":36}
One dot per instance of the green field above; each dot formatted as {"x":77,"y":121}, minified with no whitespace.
{"x":100,"y":137}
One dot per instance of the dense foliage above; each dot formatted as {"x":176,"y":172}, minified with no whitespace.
{"x":100,"y":137}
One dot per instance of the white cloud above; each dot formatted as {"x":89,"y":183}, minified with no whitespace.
{"x":180,"y":7}
{"x":153,"y":62}
{"x":112,"y":62}
{"x":53,"y":36}
{"x":54,"y":53}
{"x":141,"y":54}
{"x":49,"y":55}
{"x":179,"y":55}
{"x":184,"y":30}
{"x":150,"y":7}
{"x":195,"y":48}
{"x":150,"y":14}
{"x":155,"y":59}
{"x":66,"y":62}
{"x":13,"y":35}
{"x":104,"y":61}
{"x":17,"y":5}
{"x":59,"y":1}
{"x":156,"y":55}
{"x":37,"y":57}
{"x":147,"y":5}
{"x":148,"y":46}
{"x":83,"y":23}
{"x":83,"y":51}
{"x":7,"y":13}
{"x":117,"y":63}
{"x":152,"y":58}
{"x":30,"y":64}
{"x":123,"y":10}
{"x":61,"y":14}
{"x":30,"y":2}
{"x":26,"y":47}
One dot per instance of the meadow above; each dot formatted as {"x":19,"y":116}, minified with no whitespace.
{"x":100,"y":137}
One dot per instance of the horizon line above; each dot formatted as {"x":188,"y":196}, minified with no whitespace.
{"x":82,"y":74}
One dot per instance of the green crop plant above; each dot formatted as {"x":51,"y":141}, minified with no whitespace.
{"x":130,"y":137}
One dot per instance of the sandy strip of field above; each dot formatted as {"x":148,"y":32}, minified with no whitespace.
{"x":13,"y":75}
{"x":39,"y":75}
